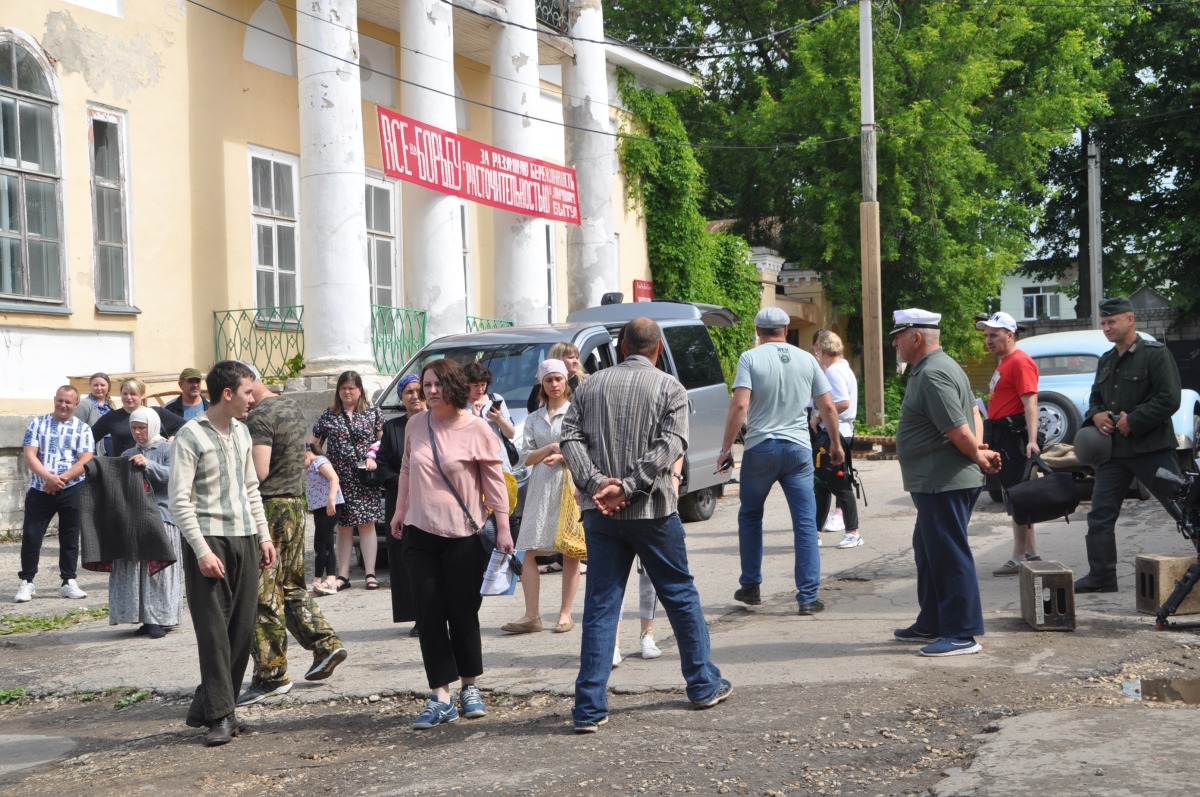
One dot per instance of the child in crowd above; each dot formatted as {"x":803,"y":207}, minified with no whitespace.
{"x":324,"y":496}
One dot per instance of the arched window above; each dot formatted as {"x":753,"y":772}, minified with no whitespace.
{"x":30,"y":207}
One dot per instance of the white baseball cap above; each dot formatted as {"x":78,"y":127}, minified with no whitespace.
{"x":998,"y":321}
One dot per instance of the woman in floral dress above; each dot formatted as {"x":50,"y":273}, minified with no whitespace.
{"x":346,"y":432}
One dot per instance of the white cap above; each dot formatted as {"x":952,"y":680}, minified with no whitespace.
{"x":771,"y":318}
{"x":914,"y":317}
{"x":998,"y":321}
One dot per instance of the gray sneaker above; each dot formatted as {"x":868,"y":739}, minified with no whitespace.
{"x":724,"y":690}
{"x":1009,"y":568}
{"x":256,"y":693}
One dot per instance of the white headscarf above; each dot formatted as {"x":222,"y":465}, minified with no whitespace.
{"x":153,"y":426}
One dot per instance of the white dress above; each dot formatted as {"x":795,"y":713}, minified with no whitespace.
{"x":543,"y":495}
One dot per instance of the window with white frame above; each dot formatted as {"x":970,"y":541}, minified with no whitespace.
{"x":31,"y":251}
{"x":1040,"y":301}
{"x":110,"y":222}
{"x":275,"y":234}
{"x":551,"y":276}
{"x":381,"y":243}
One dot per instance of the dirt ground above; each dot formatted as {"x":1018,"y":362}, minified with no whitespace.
{"x":840,"y":739}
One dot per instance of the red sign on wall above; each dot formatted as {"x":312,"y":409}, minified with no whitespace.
{"x":451,"y":164}
{"x":643,"y":290}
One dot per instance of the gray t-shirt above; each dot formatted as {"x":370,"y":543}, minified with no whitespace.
{"x":782,"y":380}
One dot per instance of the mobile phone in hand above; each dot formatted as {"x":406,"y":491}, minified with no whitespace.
{"x":496,"y":404}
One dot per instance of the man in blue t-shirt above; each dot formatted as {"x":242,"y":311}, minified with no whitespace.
{"x":774,"y":384}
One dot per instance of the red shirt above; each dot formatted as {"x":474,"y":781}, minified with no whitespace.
{"x":1016,"y":376}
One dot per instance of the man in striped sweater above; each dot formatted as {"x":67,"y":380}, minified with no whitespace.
{"x":215,"y":501}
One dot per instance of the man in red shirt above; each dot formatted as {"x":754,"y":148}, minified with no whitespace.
{"x":1012,"y":412}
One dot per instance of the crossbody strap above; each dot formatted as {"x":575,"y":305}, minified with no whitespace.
{"x":438,"y":464}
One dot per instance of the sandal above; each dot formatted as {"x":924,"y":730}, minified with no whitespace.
{"x":343,"y":583}
{"x":554,"y":567}
{"x":372,"y":582}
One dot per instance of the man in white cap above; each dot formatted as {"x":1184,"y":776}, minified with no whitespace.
{"x":771,"y":391}
{"x":942,"y":463}
{"x":1012,"y":426}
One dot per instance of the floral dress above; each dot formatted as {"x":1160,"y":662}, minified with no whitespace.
{"x":543,"y":495}
{"x":347,"y":441}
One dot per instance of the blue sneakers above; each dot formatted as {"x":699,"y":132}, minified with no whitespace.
{"x":471,"y":702}
{"x":913,"y":634}
{"x":435,"y":714}
{"x":949,"y":646}
{"x":724,"y":690}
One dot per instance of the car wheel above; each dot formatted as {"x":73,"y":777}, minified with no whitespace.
{"x":996,"y":495}
{"x":698,"y":506}
{"x":1058,"y":418}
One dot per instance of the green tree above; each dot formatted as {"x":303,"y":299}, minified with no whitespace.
{"x":971,"y":98}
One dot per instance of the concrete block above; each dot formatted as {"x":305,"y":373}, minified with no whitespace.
{"x":1048,"y":596}
{"x":1155,"y":576}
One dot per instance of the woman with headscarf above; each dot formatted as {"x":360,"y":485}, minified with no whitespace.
{"x":139,"y":591}
{"x":116,"y":422}
{"x":390,"y":460}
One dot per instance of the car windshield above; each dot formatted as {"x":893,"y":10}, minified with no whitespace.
{"x":1067,"y":364}
{"x":513,"y":367}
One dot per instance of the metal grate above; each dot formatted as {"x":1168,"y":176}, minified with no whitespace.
{"x":479,"y":324}
{"x":397,"y":333}
{"x":272,"y":338}
{"x":552,"y":14}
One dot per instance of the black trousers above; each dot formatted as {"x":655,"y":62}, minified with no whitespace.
{"x":325,"y":543}
{"x":844,"y":497}
{"x":39,"y":508}
{"x":446,"y":574}
{"x":404,"y":608}
{"x":1113,"y":480}
{"x":223,"y":614}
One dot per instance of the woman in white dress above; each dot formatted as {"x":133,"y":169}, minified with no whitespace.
{"x":543,"y":499}
{"x":135,"y":594}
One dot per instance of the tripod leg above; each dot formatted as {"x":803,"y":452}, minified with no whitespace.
{"x":1183,"y":588}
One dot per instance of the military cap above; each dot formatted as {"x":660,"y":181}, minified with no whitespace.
{"x":914,"y":318}
{"x":1115,"y":306}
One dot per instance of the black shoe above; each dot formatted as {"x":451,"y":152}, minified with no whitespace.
{"x":143,"y":630}
{"x":748,"y":595}
{"x":154,"y":630}
{"x":811,"y":608}
{"x":322,"y":668}
{"x":222,"y":731}
{"x":1102,"y":564}
{"x":414,"y":632}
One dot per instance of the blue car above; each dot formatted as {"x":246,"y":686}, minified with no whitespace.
{"x":1067,"y":364}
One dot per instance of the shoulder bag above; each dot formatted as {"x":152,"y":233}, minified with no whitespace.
{"x":366,"y":477}
{"x":486,"y":532}
{"x":1040,"y":500}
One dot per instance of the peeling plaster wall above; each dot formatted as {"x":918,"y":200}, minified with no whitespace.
{"x":124,"y":63}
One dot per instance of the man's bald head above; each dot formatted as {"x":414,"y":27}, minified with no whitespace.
{"x":642,"y":336}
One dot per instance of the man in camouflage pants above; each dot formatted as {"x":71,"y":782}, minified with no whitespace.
{"x":278,"y":431}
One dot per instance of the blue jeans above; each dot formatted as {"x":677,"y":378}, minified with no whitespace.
{"x":611,"y":546}
{"x":791,"y":465}
{"x":947,"y":587}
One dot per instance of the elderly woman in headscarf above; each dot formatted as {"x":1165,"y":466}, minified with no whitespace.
{"x":390,"y":459}
{"x":147,"y":592}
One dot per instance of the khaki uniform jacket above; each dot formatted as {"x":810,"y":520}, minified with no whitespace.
{"x":1144,"y":383}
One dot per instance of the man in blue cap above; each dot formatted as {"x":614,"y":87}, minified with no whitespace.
{"x":771,"y":391}
{"x":1135,"y":394}
{"x":942,"y":463}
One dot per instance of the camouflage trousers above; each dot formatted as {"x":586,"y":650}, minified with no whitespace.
{"x":283,"y":601}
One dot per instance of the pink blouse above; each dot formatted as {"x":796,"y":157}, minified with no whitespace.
{"x":469,"y":452}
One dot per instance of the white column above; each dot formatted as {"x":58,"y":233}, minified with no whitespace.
{"x":520,"y":259}
{"x":591,"y":262}
{"x":333,"y":229}
{"x":433,"y":245}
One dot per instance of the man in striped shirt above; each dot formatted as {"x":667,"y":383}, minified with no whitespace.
{"x":215,"y":501}
{"x":56,"y":448}
{"x":626,"y":428}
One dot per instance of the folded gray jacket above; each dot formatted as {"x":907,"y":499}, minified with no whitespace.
{"x":119,"y":517}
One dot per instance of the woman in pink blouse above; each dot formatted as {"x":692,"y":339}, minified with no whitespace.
{"x":441,"y":551}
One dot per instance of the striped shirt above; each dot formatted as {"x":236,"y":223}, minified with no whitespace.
{"x":59,"y":444}
{"x":214,"y":488}
{"x":628,"y":422}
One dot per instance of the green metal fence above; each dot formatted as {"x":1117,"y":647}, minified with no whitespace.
{"x":397,"y":333}
{"x":270,"y":337}
{"x":478,"y":324}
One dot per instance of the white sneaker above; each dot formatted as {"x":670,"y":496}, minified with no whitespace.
{"x":24,"y":591}
{"x":851,"y":541}
{"x":616,"y":657}
{"x":649,"y":649}
{"x":835,"y":521}
{"x":819,"y":541}
{"x":72,"y":590}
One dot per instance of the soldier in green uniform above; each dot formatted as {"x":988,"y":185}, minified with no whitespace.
{"x":1133,"y":398}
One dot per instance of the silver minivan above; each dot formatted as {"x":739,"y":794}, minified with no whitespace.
{"x":513,"y":354}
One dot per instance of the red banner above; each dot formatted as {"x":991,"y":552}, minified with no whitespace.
{"x":451,"y":164}
{"x":643,"y":290}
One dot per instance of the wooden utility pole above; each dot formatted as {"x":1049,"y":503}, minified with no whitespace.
{"x":868,"y":218}
{"x":1095,"y":248}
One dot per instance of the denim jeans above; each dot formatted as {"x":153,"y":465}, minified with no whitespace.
{"x":659,"y":543}
{"x":791,"y":465}
{"x":40,"y":507}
